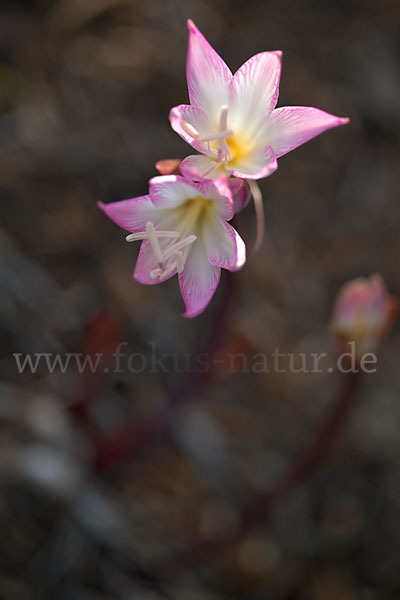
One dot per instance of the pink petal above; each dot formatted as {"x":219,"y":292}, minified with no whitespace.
{"x":257,"y":163}
{"x":254,"y":95}
{"x":198,"y":281}
{"x":208,"y":76}
{"x":196,"y":118}
{"x":145,"y":263}
{"x":132,"y":214}
{"x":170,"y":191}
{"x":219,"y":191}
{"x":240,"y":193}
{"x":291,"y":126}
{"x":225,"y":247}
{"x":199,"y":166}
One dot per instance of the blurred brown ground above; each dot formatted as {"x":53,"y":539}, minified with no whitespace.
{"x":85,"y":91}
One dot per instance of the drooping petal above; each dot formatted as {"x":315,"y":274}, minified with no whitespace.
{"x":170,"y":191}
{"x":254,"y":94}
{"x":259,"y":162}
{"x":225,"y":247}
{"x":201,"y":167}
{"x":198,"y":281}
{"x":132,"y":214}
{"x":240,"y":193}
{"x":185,"y":117}
{"x":208,"y":76}
{"x":291,"y":126}
{"x":219,"y":191}
{"x":145,"y":263}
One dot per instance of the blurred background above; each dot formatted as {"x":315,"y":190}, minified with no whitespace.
{"x":104,"y":475}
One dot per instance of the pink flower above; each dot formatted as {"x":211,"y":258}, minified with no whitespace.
{"x":183,"y":228}
{"x":232,"y":119}
{"x":363,"y":313}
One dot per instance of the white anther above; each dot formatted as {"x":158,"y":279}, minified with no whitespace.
{"x":189,"y":129}
{"x":142,"y":235}
{"x":216,"y":135}
{"x":136,"y":237}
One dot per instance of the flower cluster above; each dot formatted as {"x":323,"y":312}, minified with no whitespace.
{"x":233,"y":123}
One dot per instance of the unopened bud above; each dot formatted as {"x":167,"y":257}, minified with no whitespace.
{"x":363,"y":314}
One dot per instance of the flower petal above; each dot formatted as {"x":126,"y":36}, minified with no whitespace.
{"x":291,"y":126}
{"x":240,"y":193}
{"x":195,"y":117}
{"x":254,"y":94}
{"x":201,"y":167}
{"x":219,"y":191}
{"x":208,"y":76}
{"x":259,"y":162}
{"x":198,"y":281}
{"x":225,"y":247}
{"x":170,"y":191}
{"x":132,"y":214}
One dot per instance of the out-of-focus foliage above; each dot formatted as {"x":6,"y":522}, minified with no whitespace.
{"x":85,"y":90}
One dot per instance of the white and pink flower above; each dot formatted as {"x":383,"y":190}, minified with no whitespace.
{"x":183,"y":228}
{"x":232,"y":120}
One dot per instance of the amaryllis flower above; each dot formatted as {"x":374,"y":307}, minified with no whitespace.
{"x":232,"y":119}
{"x":183,"y":228}
{"x":363,"y":314}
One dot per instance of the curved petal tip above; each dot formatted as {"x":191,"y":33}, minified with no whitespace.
{"x":191,"y":26}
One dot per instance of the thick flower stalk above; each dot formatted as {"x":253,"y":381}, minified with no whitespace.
{"x":183,"y":228}
{"x":232,"y":120}
{"x":363,"y":314}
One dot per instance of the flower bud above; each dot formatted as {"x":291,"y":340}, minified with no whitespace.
{"x":363,"y":313}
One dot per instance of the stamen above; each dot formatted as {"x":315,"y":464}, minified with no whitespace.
{"x":207,"y":137}
{"x":260,"y":217}
{"x":224,"y":154}
{"x":142,"y":235}
{"x":189,"y":129}
{"x":223,"y":151}
{"x":155,"y":244}
{"x":180,"y":259}
{"x":179,"y":245}
{"x":168,"y":271}
{"x":174,"y":255}
{"x":217,"y":135}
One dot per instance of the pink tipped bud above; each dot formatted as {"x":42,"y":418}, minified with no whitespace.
{"x":363,"y":314}
{"x":169,"y":166}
